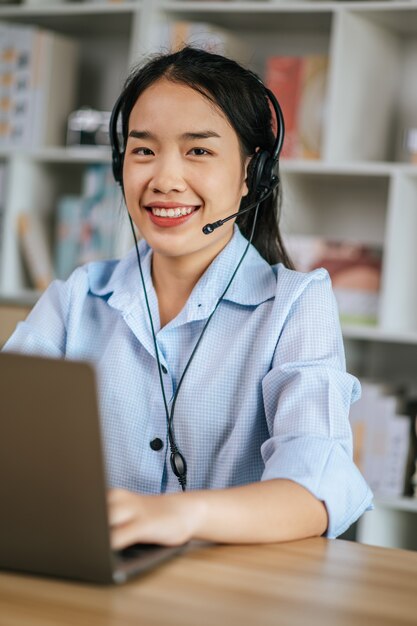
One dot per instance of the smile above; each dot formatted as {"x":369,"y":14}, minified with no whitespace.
{"x":174,"y":212}
{"x":169,"y":216}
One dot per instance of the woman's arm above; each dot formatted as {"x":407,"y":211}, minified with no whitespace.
{"x":264,"y":512}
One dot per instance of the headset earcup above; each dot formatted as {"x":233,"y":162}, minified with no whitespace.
{"x":259,"y":172}
{"x":117,"y":165}
{"x":267,"y":174}
{"x":117,"y":152}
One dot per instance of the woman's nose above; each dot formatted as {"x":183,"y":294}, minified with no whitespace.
{"x":167,"y":176}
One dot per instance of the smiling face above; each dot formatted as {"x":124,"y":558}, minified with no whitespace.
{"x":182,"y":169}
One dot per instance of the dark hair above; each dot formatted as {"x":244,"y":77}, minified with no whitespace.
{"x":242,"y":98}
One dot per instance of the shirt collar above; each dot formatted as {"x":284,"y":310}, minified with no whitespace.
{"x":254,"y":282}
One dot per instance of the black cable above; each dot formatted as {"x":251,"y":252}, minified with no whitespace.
{"x":176,"y":456}
{"x":178,"y":462}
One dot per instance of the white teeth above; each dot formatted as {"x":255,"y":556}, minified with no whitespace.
{"x":177,"y":212}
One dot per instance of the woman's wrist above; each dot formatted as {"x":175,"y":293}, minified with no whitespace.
{"x":194,"y":505}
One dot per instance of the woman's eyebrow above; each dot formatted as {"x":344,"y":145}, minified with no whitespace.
{"x":203,"y":134}
{"x":141,"y":134}
{"x":189,"y":136}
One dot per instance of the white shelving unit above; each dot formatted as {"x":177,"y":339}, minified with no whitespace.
{"x":362,"y":188}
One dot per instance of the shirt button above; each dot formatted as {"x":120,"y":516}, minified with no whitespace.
{"x":164,"y":369}
{"x":156,"y":444}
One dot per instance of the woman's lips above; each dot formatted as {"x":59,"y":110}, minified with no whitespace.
{"x":170,"y":221}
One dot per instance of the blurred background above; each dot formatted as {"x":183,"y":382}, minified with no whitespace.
{"x":345,"y":74}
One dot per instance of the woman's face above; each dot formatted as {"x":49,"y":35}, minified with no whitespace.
{"x":182,"y":169}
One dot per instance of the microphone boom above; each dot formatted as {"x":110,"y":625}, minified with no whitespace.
{"x":209,"y":228}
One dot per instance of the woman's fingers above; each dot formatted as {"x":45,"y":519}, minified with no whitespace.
{"x":115,"y":495}
{"x":122,"y":507}
{"x":136,"y":518}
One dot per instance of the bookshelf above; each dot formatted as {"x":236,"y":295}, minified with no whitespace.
{"x":363,"y":186}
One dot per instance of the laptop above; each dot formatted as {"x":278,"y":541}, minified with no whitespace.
{"x":53,"y":517}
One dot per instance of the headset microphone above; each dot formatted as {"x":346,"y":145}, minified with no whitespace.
{"x":208,"y":228}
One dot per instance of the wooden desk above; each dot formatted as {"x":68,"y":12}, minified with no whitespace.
{"x":311,"y":582}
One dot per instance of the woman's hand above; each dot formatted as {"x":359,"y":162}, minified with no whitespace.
{"x":167,"y":519}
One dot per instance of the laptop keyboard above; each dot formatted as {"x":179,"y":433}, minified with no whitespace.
{"x":138,"y":550}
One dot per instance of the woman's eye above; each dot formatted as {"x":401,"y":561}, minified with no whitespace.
{"x":199,"y":151}
{"x":142,"y":151}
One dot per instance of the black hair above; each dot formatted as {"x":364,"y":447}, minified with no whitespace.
{"x":241,"y":96}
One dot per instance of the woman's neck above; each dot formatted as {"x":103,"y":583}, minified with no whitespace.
{"x":174,"y":278}
{"x":173,"y":282}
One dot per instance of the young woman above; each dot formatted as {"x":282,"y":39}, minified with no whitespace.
{"x":223,"y":391}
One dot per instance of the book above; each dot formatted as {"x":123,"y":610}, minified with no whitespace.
{"x":20,"y":41}
{"x":299,"y":84}
{"x":87,"y":225}
{"x":54,"y":82}
{"x":394,"y":475}
{"x":101,"y":199}
{"x":67,"y":235}
{"x":411,"y":410}
{"x":3,"y":179}
{"x":355,"y":270}
{"x":382,"y":439}
{"x":35,"y":249}
{"x":38,"y":77}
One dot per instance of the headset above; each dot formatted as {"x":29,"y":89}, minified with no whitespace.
{"x":261,"y":182}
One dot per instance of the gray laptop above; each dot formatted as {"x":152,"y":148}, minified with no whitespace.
{"x":53,"y":518}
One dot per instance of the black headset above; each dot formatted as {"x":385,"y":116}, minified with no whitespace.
{"x":261,"y":177}
{"x":117,"y":153}
{"x":262,"y":181}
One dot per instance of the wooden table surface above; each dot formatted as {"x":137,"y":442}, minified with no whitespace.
{"x":308,"y":582}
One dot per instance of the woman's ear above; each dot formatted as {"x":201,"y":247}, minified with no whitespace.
{"x":249,"y":171}
{"x":247,"y":176}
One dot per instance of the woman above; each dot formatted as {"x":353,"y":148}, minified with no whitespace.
{"x":260,"y":441}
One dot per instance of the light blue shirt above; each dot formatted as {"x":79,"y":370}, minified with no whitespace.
{"x":266,"y":396}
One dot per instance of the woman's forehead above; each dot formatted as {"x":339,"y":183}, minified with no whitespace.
{"x":170,"y":104}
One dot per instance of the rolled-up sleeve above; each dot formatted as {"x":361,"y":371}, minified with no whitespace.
{"x":307,"y":395}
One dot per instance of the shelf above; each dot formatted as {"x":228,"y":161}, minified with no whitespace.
{"x":397,"y":17}
{"x":68,"y":8}
{"x":288,"y":16}
{"x":400,"y":503}
{"x":23,"y":298}
{"x":29,"y":298}
{"x":76,"y":154}
{"x":371,"y":333}
{"x":278,"y":6}
{"x":102,"y":154}
{"x":70,"y":18}
{"x":266,"y":16}
{"x":79,"y":154}
{"x":285,"y":6}
{"x":362,"y":168}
